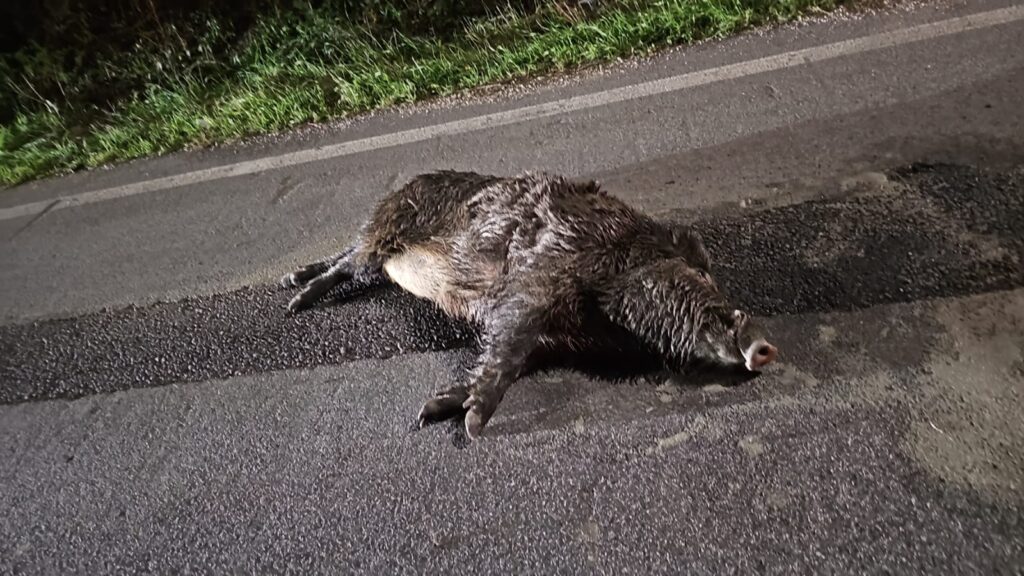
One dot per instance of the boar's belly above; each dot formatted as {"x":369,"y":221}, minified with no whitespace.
{"x":422,"y":272}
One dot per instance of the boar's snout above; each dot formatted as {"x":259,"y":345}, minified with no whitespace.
{"x":752,"y":342}
{"x":760,"y":354}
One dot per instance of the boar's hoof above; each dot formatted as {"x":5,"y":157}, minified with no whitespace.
{"x":479,"y":411}
{"x":300,"y":303}
{"x":445,"y":405}
{"x":301,"y":277}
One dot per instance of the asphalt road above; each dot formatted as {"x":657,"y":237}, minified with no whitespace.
{"x":159,"y":411}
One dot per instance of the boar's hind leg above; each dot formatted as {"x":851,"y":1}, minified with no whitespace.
{"x":304,"y":275}
{"x":345,"y":269}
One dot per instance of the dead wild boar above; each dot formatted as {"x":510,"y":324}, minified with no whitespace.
{"x":540,"y":264}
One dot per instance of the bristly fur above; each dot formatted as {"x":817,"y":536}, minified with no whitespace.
{"x":539,"y":263}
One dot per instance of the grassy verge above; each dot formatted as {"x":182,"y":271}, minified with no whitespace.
{"x":204,"y":83}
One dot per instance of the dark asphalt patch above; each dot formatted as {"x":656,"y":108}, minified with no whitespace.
{"x":943,"y":231}
{"x":940,"y":231}
{"x":242,"y":332}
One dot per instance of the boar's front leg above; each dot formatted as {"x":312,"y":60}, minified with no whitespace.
{"x":501,"y":364}
{"x":512,"y":330}
{"x":445,"y":405}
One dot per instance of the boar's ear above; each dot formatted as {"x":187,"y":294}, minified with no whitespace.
{"x":587,"y":186}
{"x":739,"y":318}
{"x":691,"y":242}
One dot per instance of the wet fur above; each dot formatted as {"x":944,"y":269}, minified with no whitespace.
{"x":543,"y":266}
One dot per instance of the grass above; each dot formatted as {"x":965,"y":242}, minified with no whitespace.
{"x":203,"y":83}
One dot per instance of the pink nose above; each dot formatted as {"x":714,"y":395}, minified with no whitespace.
{"x":764,"y":355}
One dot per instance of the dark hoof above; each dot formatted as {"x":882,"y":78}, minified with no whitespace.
{"x":299,"y":303}
{"x":445,"y":405}
{"x":302,"y":276}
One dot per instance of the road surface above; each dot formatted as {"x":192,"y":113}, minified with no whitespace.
{"x":859,"y":181}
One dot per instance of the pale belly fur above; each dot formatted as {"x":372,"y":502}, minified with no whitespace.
{"x":426,"y":274}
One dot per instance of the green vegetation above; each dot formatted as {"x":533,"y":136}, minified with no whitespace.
{"x":166,"y":83}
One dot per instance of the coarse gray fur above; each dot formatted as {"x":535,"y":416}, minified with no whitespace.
{"x":540,"y":264}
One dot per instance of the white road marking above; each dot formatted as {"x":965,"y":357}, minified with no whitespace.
{"x":655,"y":87}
